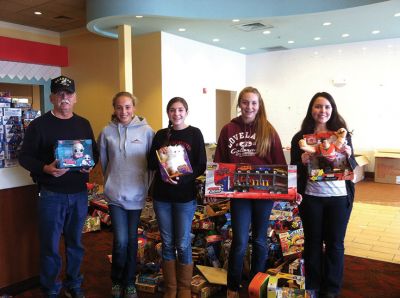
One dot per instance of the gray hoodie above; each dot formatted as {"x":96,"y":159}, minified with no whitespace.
{"x":123,"y":152}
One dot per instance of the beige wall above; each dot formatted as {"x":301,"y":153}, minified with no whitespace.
{"x":93,"y":64}
{"x":147,"y":77}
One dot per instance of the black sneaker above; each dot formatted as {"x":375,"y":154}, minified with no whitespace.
{"x":74,"y":293}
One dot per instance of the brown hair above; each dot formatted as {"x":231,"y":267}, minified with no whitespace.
{"x":118,"y":95}
{"x":263,"y":128}
{"x":169,"y":104}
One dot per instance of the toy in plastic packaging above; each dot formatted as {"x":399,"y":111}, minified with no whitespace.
{"x":74,"y":154}
{"x":328,"y":160}
{"x":174,"y":162}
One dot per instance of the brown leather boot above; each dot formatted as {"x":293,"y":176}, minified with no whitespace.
{"x":184,"y":279}
{"x":169,"y":274}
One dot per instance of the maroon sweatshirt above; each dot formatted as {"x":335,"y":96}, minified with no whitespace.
{"x":237,"y":144}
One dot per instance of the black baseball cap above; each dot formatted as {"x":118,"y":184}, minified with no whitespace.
{"x":62,"y":83}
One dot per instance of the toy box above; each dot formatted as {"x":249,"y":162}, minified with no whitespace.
{"x":292,"y":242}
{"x":329,"y":161}
{"x":74,"y":154}
{"x":276,"y":182}
{"x":258,"y":286}
{"x":198,"y":282}
{"x":174,"y":162}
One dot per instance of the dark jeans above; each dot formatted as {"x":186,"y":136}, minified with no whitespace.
{"x":324,"y":221}
{"x":61,"y":213}
{"x":245,"y":212}
{"x":175,"y":224}
{"x":125,"y":245}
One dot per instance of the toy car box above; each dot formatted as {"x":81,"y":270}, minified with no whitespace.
{"x":327,"y":164}
{"x":74,"y":154}
{"x":174,"y":162}
{"x":275,"y":182}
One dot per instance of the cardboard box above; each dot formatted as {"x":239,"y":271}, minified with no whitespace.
{"x":359,"y":171}
{"x":387,"y":166}
{"x":247,"y":181}
{"x":258,"y":286}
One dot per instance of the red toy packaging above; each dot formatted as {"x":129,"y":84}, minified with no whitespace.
{"x":328,"y":160}
{"x":274,"y":182}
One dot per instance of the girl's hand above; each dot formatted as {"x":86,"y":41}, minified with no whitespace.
{"x":347,"y":150}
{"x":299,"y":198}
{"x":173,"y":180}
{"x":163,"y":150}
{"x":305,"y":158}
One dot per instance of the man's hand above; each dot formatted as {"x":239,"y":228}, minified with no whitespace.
{"x":86,"y":170}
{"x":52,"y":170}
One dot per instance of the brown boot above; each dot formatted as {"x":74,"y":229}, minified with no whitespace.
{"x":184,"y":279}
{"x":169,"y":274}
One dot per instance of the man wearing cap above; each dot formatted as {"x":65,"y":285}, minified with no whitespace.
{"x":63,"y":200}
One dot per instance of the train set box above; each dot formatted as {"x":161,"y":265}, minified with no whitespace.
{"x":246,"y":181}
{"x":74,"y":154}
{"x":328,"y":160}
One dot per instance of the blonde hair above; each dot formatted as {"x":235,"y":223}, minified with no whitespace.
{"x":265,"y":132}
{"x":118,"y":95}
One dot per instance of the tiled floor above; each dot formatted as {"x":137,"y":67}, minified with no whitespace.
{"x":374,"y":232}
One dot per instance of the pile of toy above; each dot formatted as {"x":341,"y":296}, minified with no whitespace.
{"x":15,"y":116}
{"x":211,"y":241}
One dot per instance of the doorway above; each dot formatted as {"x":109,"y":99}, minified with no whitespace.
{"x":225,"y":108}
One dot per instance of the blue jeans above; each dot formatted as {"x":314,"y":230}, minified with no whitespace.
{"x":245,"y":212}
{"x":324,"y":221}
{"x":175,"y":224}
{"x":125,"y":245}
{"x":61,"y":214}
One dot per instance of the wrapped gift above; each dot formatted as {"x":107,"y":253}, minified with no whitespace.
{"x":92,"y":223}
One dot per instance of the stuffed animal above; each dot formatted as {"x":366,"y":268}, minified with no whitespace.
{"x":87,"y":161}
{"x":326,"y":152}
{"x":323,"y":146}
{"x":173,"y":159}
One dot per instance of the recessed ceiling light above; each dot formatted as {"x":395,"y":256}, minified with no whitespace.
{"x":38,"y":13}
{"x":139,"y":17}
{"x":236,"y":20}
{"x":182,"y":29}
{"x":317,"y":38}
{"x":345,"y":35}
{"x":327,"y":24}
{"x":390,"y":46}
{"x":364,"y":48}
{"x":316,"y":53}
{"x":397,"y":14}
{"x":339,"y":51}
{"x":375,"y":32}
{"x":266,"y":32}
{"x":242,"y":48}
{"x":215,"y":39}
{"x":290,"y":41}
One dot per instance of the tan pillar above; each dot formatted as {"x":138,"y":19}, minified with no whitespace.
{"x":125,"y":58}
